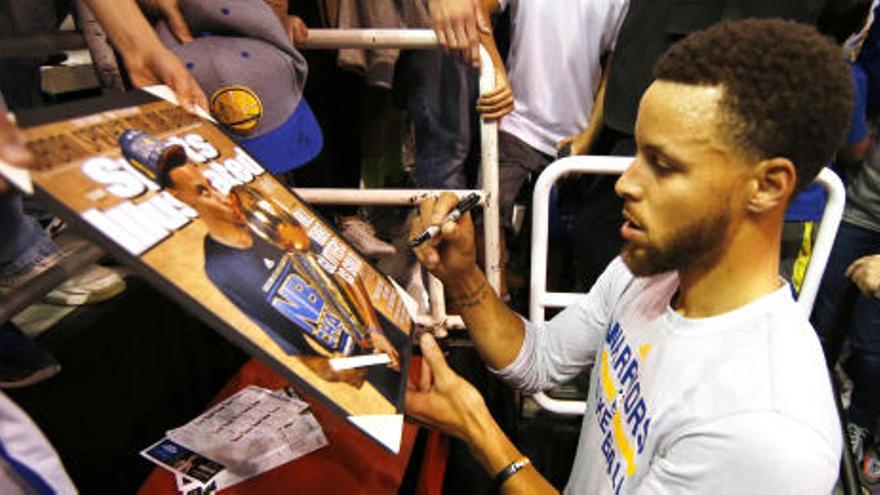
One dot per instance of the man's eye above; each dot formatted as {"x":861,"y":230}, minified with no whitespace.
{"x":661,"y":165}
{"x":202,"y":190}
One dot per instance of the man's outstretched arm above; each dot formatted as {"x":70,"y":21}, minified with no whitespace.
{"x":496,"y":330}
{"x":452,"y":405}
{"x":148,"y":61}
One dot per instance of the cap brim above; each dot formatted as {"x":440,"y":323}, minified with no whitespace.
{"x":292,"y":144}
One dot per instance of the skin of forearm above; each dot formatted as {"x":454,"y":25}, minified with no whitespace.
{"x":125,"y":25}
{"x":488,"y":39}
{"x":496,"y":330}
{"x":494,"y":451}
{"x":584,"y":141}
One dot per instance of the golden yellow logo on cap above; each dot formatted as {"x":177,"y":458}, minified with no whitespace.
{"x":238,"y":108}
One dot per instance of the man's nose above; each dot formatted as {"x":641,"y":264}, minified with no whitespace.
{"x":626,"y":186}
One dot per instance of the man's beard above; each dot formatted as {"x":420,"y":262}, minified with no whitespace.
{"x":696,"y":243}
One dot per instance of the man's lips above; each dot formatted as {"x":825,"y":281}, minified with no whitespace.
{"x":631,"y":230}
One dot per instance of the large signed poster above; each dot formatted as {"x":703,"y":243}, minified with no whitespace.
{"x":221,"y":236}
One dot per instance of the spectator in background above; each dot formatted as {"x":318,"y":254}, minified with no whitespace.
{"x":649,"y":28}
{"x":554,"y":67}
{"x":845,"y":308}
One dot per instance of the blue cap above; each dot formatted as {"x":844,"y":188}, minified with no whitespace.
{"x":253,"y":76}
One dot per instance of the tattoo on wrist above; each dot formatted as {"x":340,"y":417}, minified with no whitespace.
{"x":467,"y":299}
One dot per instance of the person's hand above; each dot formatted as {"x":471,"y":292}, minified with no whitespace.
{"x":442,"y":399}
{"x":579,"y":144}
{"x":12,"y":148}
{"x":458,"y":24}
{"x":451,"y":253}
{"x":170,"y":11}
{"x":382,"y":344}
{"x":149,"y":62}
{"x":296,"y":29}
{"x":498,"y":102}
{"x":158,"y":65}
{"x":865,"y":273}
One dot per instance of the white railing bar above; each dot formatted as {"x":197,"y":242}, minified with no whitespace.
{"x":489,"y":181}
{"x":412,"y":39}
{"x":541,"y":209}
{"x":539,"y":299}
{"x":825,"y":236}
{"x":376,"y":197}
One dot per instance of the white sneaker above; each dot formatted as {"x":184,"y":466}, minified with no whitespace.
{"x":363,"y":237}
{"x":96,"y":284}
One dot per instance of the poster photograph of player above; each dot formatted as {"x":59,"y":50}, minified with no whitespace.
{"x":173,"y":197}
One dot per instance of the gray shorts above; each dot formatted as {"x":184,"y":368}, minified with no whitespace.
{"x":516,"y":162}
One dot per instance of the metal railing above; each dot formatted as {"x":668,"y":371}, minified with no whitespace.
{"x":422,"y":39}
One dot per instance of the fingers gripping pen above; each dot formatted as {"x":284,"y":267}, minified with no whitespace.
{"x":463,"y":206}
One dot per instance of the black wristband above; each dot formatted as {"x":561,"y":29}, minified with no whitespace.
{"x":511,"y":469}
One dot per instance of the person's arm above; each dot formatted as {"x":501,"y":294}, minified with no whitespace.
{"x":148,"y":61}
{"x":582,"y":142}
{"x":452,"y":405}
{"x":498,"y":102}
{"x":496,"y":330}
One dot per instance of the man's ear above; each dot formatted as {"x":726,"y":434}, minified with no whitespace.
{"x":772,"y":184}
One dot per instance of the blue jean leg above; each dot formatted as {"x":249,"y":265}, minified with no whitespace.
{"x":23,"y":242}
{"x":440,"y":94}
{"x":843,"y":312}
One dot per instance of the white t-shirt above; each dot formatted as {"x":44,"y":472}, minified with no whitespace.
{"x":553,"y":65}
{"x":736,"y":403}
{"x":28,"y":463}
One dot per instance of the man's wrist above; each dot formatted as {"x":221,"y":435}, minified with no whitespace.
{"x":467,"y":281}
{"x":467,"y":290}
{"x":488,"y":443}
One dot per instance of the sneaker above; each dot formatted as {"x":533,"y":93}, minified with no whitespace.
{"x":96,"y":284}
{"x":363,"y":237}
{"x":93,"y":285}
{"x":23,"y":362}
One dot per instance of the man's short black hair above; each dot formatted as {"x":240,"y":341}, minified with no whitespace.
{"x":787,"y":90}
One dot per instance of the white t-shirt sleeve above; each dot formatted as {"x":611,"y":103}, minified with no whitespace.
{"x":744,"y":453}
{"x":616,"y":15}
{"x":557,"y":351}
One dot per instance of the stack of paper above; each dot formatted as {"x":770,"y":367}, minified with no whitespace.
{"x":249,"y":433}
